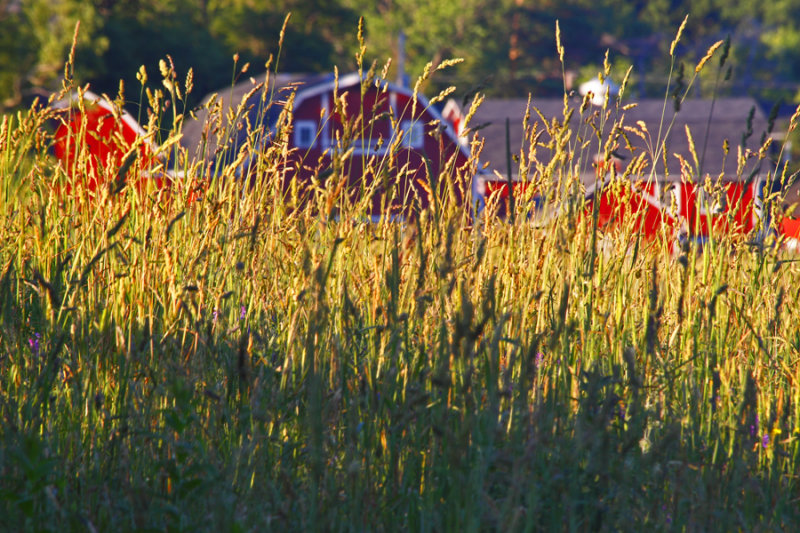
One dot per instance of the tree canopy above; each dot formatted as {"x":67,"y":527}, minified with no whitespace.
{"x":508,"y":46}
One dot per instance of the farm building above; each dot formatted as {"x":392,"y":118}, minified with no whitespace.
{"x":727,"y":119}
{"x":392,"y":155}
{"x":666,"y":182}
{"x":386,"y":145}
{"x":85,"y":123}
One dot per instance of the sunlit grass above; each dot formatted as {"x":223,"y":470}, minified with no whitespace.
{"x":233,"y":363}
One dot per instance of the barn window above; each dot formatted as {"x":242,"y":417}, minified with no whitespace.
{"x":305,"y":133}
{"x":413,"y":133}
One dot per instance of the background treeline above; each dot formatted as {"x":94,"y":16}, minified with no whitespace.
{"x":508,"y":45}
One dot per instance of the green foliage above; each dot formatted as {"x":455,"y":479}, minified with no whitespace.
{"x":116,"y":38}
{"x":140,"y":38}
{"x":507,"y":45}
{"x":319,"y":35}
{"x":37,"y":36}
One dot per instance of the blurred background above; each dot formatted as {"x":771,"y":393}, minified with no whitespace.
{"x":508,"y":45}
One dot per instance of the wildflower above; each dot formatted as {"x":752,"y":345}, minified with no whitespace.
{"x":765,"y":440}
{"x":215,"y":314}
{"x":538,"y":360}
{"x":754,"y":427}
{"x":242,"y":312}
{"x":33,"y":342}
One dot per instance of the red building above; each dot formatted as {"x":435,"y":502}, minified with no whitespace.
{"x":373,"y":144}
{"x":93,"y":137}
{"x":365,"y":141}
{"x":668,"y":193}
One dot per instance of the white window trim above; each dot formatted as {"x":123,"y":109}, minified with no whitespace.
{"x":370,"y":147}
{"x":413,"y":132}
{"x":302,"y":127}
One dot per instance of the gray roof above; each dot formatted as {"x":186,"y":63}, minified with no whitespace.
{"x":729,"y":119}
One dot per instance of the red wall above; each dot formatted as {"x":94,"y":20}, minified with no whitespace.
{"x":401,"y":175}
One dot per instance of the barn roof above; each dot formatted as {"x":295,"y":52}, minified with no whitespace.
{"x":723,"y":119}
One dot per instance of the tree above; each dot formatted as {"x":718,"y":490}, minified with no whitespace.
{"x":16,"y":54}
{"x":318,"y":36}
{"x":37,"y":36}
{"x":436,"y":31}
{"x":508,"y":46}
{"x":144,"y":32}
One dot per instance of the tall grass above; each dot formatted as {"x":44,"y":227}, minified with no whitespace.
{"x":234,"y":363}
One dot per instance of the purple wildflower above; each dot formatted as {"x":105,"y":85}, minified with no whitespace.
{"x":754,"y":427}
{"x":215,"y":314}
{"x":538,"y":360}
{"x":242,"y":312}
{"x":765,"y":440}
{"x":33,"y":342}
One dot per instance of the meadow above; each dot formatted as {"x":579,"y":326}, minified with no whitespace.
{"x":236,"y":363}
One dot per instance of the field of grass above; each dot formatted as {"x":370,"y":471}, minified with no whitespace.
{"x":231,"y":364}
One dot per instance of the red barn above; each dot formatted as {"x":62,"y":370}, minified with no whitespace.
{"x":93,"y":136}
{"x":367,"y":140}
